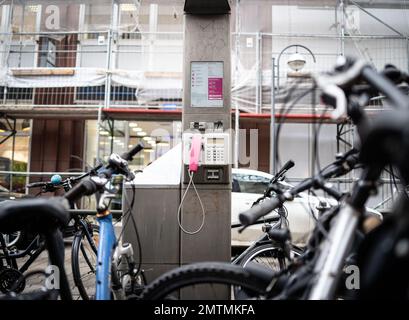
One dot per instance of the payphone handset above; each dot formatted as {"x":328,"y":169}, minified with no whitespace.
{"x":214,"y":149}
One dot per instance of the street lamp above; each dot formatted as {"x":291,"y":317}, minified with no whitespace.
{"x":296,"y":62}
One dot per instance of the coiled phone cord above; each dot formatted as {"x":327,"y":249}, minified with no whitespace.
{"x":191,"y":173}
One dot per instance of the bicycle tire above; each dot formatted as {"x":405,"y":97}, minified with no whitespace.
{"x":203,"y":273}
{"x":268,"y":255}
{"x":78,"y":249}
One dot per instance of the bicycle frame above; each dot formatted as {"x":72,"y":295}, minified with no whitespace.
{"x":106,"y":245}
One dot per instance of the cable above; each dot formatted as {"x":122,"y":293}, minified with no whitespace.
{"x":136,"y":231}
{"x":201,"y":205}
{"x":281,"y":118}
{"x":396,"y":184}
{"x":128,"y":215}
{"x":287,"y":111}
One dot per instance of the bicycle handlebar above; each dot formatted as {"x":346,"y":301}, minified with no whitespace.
{"x":51,"y":185}
{"x":339,"y":167}
{"x":37,"y":184}
{"x":348,"y":72}
{"x":117,"y":165}
{"x":251,"y":215}
{"x":128,"y":156}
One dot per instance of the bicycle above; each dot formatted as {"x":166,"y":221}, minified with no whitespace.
{"x":255,"y":280}
{"x":337,"y":238}
{"x":52,"y":215}
{"x":382,"y":265}
{"x":83,"y":231}
{"x":274,"y":246}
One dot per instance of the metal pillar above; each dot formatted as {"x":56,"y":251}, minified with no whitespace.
{"x":206,"y":53}
{"x":236,"y":109}
{"x":342,"y":29}
{"x":258,"y":74}
{"x":272,"y":121}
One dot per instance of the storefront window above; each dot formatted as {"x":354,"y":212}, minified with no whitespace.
{"x":119,"y":136}
{"x":14,"y":154}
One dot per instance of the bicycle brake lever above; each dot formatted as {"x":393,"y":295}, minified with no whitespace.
{"x":242,"y":229}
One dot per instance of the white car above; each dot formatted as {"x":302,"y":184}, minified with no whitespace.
{"x":249,"y":185}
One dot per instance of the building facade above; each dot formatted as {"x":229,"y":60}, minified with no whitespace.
{"x":82,"y":79}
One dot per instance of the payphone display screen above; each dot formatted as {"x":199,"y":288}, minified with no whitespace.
{"x":206,"y":84}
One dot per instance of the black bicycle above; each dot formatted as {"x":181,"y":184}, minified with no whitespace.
{"x":31,"y":244}
{"x":345,"y":235}
{"x":256,"y":280}
{"x":48,"y":217}
{"x":273,"y":249}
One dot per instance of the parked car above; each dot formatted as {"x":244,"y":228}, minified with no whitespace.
{"x":249,"y":185}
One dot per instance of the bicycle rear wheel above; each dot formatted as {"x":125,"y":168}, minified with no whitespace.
{"x":84,"y":261}
{"x":207,"y":280}
{"x":266,"y":255}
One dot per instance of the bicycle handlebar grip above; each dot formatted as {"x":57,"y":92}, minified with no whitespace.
{"x":84,"y":188}
{"x":130,"y":154}
{"x":251,"y":215}
{"x":36,"y":184}
{"x":288,"y":165}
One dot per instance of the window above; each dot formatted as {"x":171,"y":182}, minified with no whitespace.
{"x":97,"y":18}
{"x":118,"y":136}
{"x":14,"y":156}
{"x":249,"y":183}
{"x":129,"y":21}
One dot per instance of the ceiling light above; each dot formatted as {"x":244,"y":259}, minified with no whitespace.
{"x":147,"y":138}
{"x":296,"y":61}
{"x":141,"y":133}
{"x":163,"y":143}
{"x":133,"y":124}
{"x":104,"y":133}
{"x":33,"y":8}
{"x":128,"y":7}
{"x":136,"y":129}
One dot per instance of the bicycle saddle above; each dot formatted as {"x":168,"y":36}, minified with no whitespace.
{"x":38,"y":214}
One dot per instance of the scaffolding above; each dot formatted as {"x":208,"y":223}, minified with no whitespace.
{"x":112,"y":72}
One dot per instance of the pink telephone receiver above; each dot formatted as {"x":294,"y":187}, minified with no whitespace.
{"x":195,"y":152}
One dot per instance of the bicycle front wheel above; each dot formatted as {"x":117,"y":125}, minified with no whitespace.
{"x":84,"y":262}
{"x":207,"y":280}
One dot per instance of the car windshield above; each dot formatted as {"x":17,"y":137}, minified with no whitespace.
{"x":249,"y":183}
{"x":285,"y":186}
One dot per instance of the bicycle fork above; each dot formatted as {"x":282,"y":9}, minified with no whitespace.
{"x":105,"y":249}
{"x":333,"y":253}
{"x":106,"y":272}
